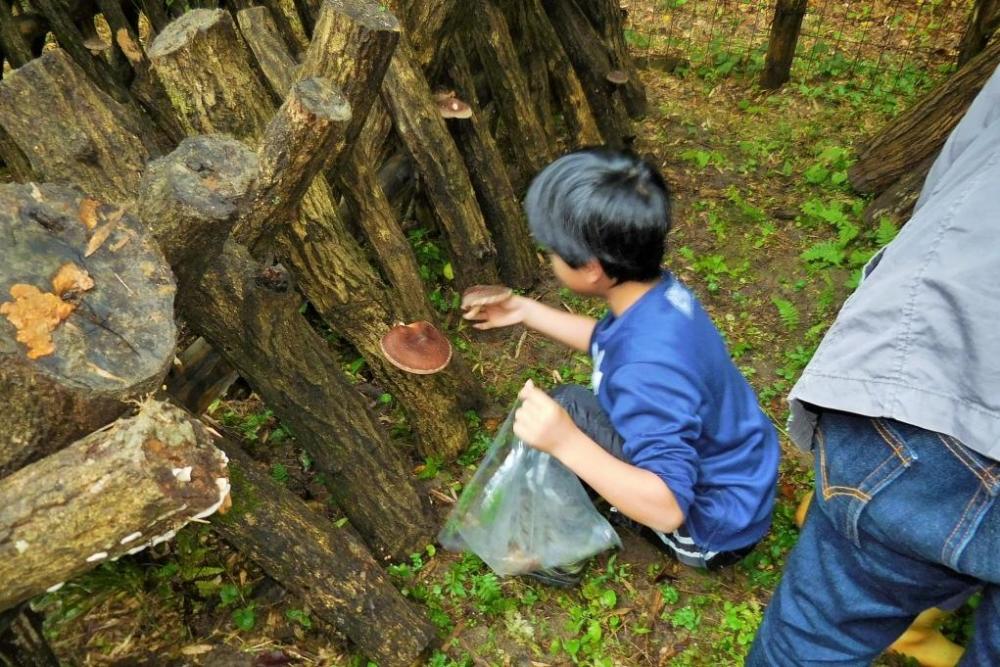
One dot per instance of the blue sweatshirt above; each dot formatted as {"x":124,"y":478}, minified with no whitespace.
{"x":665,"y":378}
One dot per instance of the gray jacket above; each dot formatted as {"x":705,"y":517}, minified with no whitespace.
{"x":919,"y":340}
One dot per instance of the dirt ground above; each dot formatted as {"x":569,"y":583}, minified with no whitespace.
{"x":767,"y":234}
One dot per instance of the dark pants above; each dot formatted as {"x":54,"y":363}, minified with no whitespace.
{"x":903,"y":520}
{"x":588,"y":415}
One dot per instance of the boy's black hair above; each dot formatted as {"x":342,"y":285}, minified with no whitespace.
{"x":602,"y":204}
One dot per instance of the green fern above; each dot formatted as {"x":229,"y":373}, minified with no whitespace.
{"x":826,"y":253}
{"x":787,"y":311}
{"x":886,"y":231}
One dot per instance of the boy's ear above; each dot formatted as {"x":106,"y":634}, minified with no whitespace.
{"x":593,"y":272}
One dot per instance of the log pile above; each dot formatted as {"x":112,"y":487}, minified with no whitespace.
{"x":226,"y":166}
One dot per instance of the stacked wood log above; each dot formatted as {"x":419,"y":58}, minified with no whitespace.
{"x":337,"y":131}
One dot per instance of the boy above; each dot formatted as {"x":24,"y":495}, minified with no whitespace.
{"x":672,"y":435}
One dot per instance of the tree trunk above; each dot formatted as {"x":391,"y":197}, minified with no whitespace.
{"x":289,"y":24}
{"x":75,"y":347}
{"x":429,"y":26}
{"x":328,"y":567}
{"x":208,"y":76}
{"x":592,"y":61}
{"x":785,"y":27}
{"x":983,"y":21}
{"x":898,"y":200}
{"x":22,"y":643}
{"x":531,"y":148}
{"x":116,"y":491}
{"x":370,"y":207}
{"x":501,"y":208}
{"x":250,"y":313}
{"x":920,"y":132}
{"x":103,"y":134}
{"x":529,"y":19}
{"x":446,"y":182}
{"x":608,"y":17}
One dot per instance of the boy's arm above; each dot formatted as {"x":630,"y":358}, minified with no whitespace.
{"x":567,"y":328}
{"x":638,"y":493}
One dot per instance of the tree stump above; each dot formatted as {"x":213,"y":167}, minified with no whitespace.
{"x":104,"y":134}
{"x":117,"y":491}
{"x":920,"y":132}
{"x":86,"y":317}
{"x":328,"y":567}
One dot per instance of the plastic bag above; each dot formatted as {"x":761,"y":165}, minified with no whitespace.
{"x":524,"y":511}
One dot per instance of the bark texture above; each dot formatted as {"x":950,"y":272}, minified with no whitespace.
{"x":63,"y":375}
{"x":500,"y":205}
{"x":445,"y":179}
{"x":114,"y":492}
{"x":250,"y":314}
{"x":328,"y":568}
{"x":919,"y":132}
{"x":785,"y":28}
{"x":102,"y":133}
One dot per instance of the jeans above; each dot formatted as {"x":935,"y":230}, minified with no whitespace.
{"x":903,"y":520}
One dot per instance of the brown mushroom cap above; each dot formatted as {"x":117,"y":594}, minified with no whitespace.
{"x":95,"y":44}
{"x":452,"y":107}
{"x":617,"y":77}
{"x":484,"y":295}
{"x":416,"y":348}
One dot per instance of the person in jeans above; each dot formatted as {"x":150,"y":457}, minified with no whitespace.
{"x":901,"y":407}
{"x":671,"y":435}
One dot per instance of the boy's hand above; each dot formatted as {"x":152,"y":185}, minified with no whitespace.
{"x":540,"y":421}
{"x":503,"y":314}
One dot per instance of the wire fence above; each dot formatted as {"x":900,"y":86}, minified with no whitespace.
{"x":881,"y":43}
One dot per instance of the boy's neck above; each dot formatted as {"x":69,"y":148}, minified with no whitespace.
{"x":621,"y":296}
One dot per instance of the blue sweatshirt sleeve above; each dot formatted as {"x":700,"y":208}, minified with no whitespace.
{"x":655,"y":409}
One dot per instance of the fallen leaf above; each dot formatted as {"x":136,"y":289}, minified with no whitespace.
{"x":100,"y":236}
{"x":71,"y":278}
{"x":197,"y":649}
{"x":35,"y":315}
{"x":88,"y":212}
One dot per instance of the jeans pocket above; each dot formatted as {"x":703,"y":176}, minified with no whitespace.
{"x":867,"y":457}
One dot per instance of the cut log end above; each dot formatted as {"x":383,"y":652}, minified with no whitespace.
{"x":179,"y":33}
{"x":115,"y":492}
{"x":86,"y":316}
{"x":374,"y":16}
{"x":208,"y":174}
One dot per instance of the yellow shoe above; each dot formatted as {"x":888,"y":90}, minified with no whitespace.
{"x":923,"y":642}
{"x":800,"y":513}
